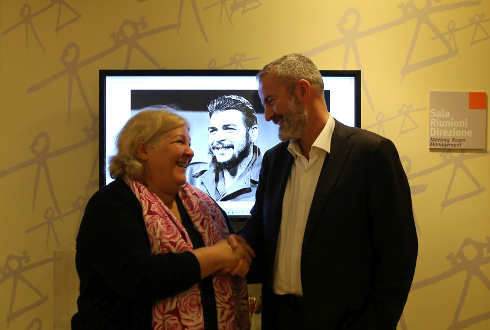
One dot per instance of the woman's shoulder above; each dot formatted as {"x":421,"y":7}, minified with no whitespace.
{"x":117,"y":192}
{"x":110,"y":206}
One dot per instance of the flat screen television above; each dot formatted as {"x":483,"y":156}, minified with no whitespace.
{"x":125,"y":92}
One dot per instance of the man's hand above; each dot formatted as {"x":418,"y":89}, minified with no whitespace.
{"x":234,"y":240}
{"x":243,"y":265}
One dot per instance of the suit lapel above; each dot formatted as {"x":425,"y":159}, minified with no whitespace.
{"x":341,"y":145}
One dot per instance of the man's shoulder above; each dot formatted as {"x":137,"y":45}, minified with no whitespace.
{"x":358,"y":134}
{"x":278,"y":149}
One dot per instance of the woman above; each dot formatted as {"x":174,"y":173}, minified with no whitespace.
{"x":150,"y":246}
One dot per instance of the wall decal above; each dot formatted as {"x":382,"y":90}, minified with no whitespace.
{"x":407,"y":124}
{"x":27,"y":16}
{"x":237,"y":61}
{"x":236,"y":5}
{"x":457,"y":162}
{"x":469,"y":258}
{"x":409,"y":12}
{"x":36,"y":321}
{"x":14,"y":268}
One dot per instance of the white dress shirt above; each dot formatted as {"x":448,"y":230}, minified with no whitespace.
{"x":296,"y":205}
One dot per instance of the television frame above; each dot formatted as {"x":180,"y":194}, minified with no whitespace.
{"x":104,"y":74}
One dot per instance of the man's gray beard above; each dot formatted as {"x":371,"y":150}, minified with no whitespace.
{"x":295,"y":121}
{"x":235,"y":160}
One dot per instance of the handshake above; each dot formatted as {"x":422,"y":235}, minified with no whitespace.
{"x":241,"y":257}
{"x":232,"y":256}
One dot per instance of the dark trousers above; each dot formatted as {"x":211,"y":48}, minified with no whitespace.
{"x":291,"y":312}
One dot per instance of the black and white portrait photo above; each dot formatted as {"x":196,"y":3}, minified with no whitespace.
{"x":232,"y":174}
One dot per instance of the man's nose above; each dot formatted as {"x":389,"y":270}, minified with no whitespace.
{"x":269,"y":113}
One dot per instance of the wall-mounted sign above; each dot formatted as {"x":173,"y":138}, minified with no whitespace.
{"x":458,"y":120}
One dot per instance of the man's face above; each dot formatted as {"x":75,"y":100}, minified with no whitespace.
{"x":229,"y":141}
{"x":282,"y":108}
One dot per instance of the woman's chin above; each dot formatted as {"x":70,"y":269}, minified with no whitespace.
{"x":181,"y":182}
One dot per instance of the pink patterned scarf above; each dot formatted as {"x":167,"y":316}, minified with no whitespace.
{"x":167,"y":234}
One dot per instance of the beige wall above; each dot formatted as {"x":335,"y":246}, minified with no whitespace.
{"x":49,"y":132}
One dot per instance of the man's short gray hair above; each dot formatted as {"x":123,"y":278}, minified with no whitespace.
{"x":292,"y":68}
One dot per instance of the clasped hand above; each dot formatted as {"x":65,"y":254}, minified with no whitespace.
{"x":241,"y":248}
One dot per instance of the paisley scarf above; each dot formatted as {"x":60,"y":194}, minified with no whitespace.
{"x":167,"y":234}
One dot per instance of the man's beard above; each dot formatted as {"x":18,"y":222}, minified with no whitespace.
{"x":235,"y":160}
{"x":295,"y":120}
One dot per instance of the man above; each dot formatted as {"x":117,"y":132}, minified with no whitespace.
{"x":332,"y":222}
{"x":233,"y":172}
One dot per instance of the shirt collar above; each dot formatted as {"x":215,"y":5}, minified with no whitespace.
{"x":322,"y":142}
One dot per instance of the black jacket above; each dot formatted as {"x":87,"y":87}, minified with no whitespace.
{"x":360,"y":244}
{"x":119,"y":277}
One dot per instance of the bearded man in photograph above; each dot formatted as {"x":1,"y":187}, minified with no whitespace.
{"x":233,"y":172}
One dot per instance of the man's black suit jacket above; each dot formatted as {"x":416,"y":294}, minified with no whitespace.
{"x":360,"y":243}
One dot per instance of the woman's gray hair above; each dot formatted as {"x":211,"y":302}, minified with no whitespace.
{"x":292,"y":68}
{"x":148,"y":125}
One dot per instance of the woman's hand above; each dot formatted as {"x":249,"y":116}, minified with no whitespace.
{"x":241,"y":269}
{"x":239,"y":251}
{"x":222,"y":256}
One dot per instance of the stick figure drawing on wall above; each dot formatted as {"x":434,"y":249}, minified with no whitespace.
{"x":50,"y":219}
{"x":479,"y":32}
{"x":477,"y":21}
{"x":409,"y":9}
{"x":131,"y":40}
{"x":26,"y":15}
{"x":61,"y":4}
{"x":237,"y":60}
{"x":71,"y":57}
{"x":470,"y":258}
{"x":459,"y":164}
{"x":14,"y":268}
{"x":449,"y":159}
{"x":243,"y":4}
{"x":223,"y":6}
{"x":36,"y":324}
{"x":196,"y":15}
{"x":408,"y":123}
{"x":40,"y":148}
{"x":351,"y":45}
{"x":451,"y":28}
{"x":236,"y":5}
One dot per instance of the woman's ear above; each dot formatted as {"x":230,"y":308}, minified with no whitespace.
{"x":142,"y":150}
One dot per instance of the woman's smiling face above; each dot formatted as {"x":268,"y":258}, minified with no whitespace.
{"x":167,"y":161}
